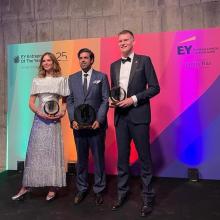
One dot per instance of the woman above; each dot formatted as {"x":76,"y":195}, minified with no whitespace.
{"x":44,"y":164}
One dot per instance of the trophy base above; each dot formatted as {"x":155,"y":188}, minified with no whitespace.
{"x":115,"y":102}
{"x":81,"y":127}
{"x":51,"y":115}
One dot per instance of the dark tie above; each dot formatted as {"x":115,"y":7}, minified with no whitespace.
{"x":125,"y":60}
{"x":85,"y":83}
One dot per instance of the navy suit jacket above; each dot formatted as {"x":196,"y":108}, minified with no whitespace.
{"x":143,"y":83}
{"x":97,"y":95}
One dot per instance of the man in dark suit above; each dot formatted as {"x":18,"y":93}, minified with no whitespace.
{"x":136,"y":75}
{"x":89,"y":86}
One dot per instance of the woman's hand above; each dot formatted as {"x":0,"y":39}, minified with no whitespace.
{"x":46,"y":116}
{"x":42,"y":115}
{"x":60,"y":114}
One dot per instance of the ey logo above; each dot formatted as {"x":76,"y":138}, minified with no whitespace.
{"x":182,"y":50}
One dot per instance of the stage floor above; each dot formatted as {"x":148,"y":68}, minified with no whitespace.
{"x":177,"y":199}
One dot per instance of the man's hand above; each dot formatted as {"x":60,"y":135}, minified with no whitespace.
{"x":125,"y":103}
{"x":75,"y":125}
{"x":95,"y":125}
{"x":111,"y":104}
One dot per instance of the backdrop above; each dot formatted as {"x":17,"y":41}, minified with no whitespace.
{"x":185,"y":115}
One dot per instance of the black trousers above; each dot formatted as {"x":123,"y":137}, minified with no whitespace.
{"x":94,"y":139}
{"x":125,"y":132}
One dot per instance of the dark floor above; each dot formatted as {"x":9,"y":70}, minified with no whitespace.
{"x":177,"y":199}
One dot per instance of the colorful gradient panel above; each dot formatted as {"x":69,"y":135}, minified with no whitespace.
{"x":23,"y":62}
{"x":22,"y":66}
{"x":185,"y":115}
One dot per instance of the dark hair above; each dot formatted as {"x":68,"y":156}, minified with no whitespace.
{"x":56,"y":66}
{"x":86,"y":50}
{"x":126,"y":32}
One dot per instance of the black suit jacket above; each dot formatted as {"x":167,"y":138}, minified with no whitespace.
{"x":143,"y":83}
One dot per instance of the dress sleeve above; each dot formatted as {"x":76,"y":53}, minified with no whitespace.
{"x":64,"y":87}
{"x":34,"y":87}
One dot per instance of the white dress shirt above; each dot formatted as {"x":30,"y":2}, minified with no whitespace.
{"x":88,"y":77}
{"x":125,"y":75}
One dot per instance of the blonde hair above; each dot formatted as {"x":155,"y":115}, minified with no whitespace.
{"x":56,"y":66}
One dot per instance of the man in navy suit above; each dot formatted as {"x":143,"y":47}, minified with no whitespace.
{"x":136,"y":75}
{"x":89,"y":86}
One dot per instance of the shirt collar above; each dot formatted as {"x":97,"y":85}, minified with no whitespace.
{"x":89,"y":72}
{"x":130,"y":55}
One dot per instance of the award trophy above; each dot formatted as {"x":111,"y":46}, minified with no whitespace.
{"x":51,"y":107}
{"x":85,"y":116}
{"x":117,"y":94}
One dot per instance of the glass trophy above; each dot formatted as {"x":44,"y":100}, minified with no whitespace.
{"x":85,"y":116}
{"x":117,"y":94}
{"x":51,"y":107}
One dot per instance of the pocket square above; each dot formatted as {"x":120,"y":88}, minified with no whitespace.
{"x":96,"y":81}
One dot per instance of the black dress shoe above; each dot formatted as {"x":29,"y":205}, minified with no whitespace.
{"x":146,"y":209}
{"x":98,"y":199}
{"x":118,"y":203}
{"x":79,"y":197}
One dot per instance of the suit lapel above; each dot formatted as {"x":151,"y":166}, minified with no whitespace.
{"x":92,"y":79}
{"x":134,"y":65}
{"x":117,"y":71}
{"x":79,"y":83}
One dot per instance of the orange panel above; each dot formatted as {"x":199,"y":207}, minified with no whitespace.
{"x":66,"y":53}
